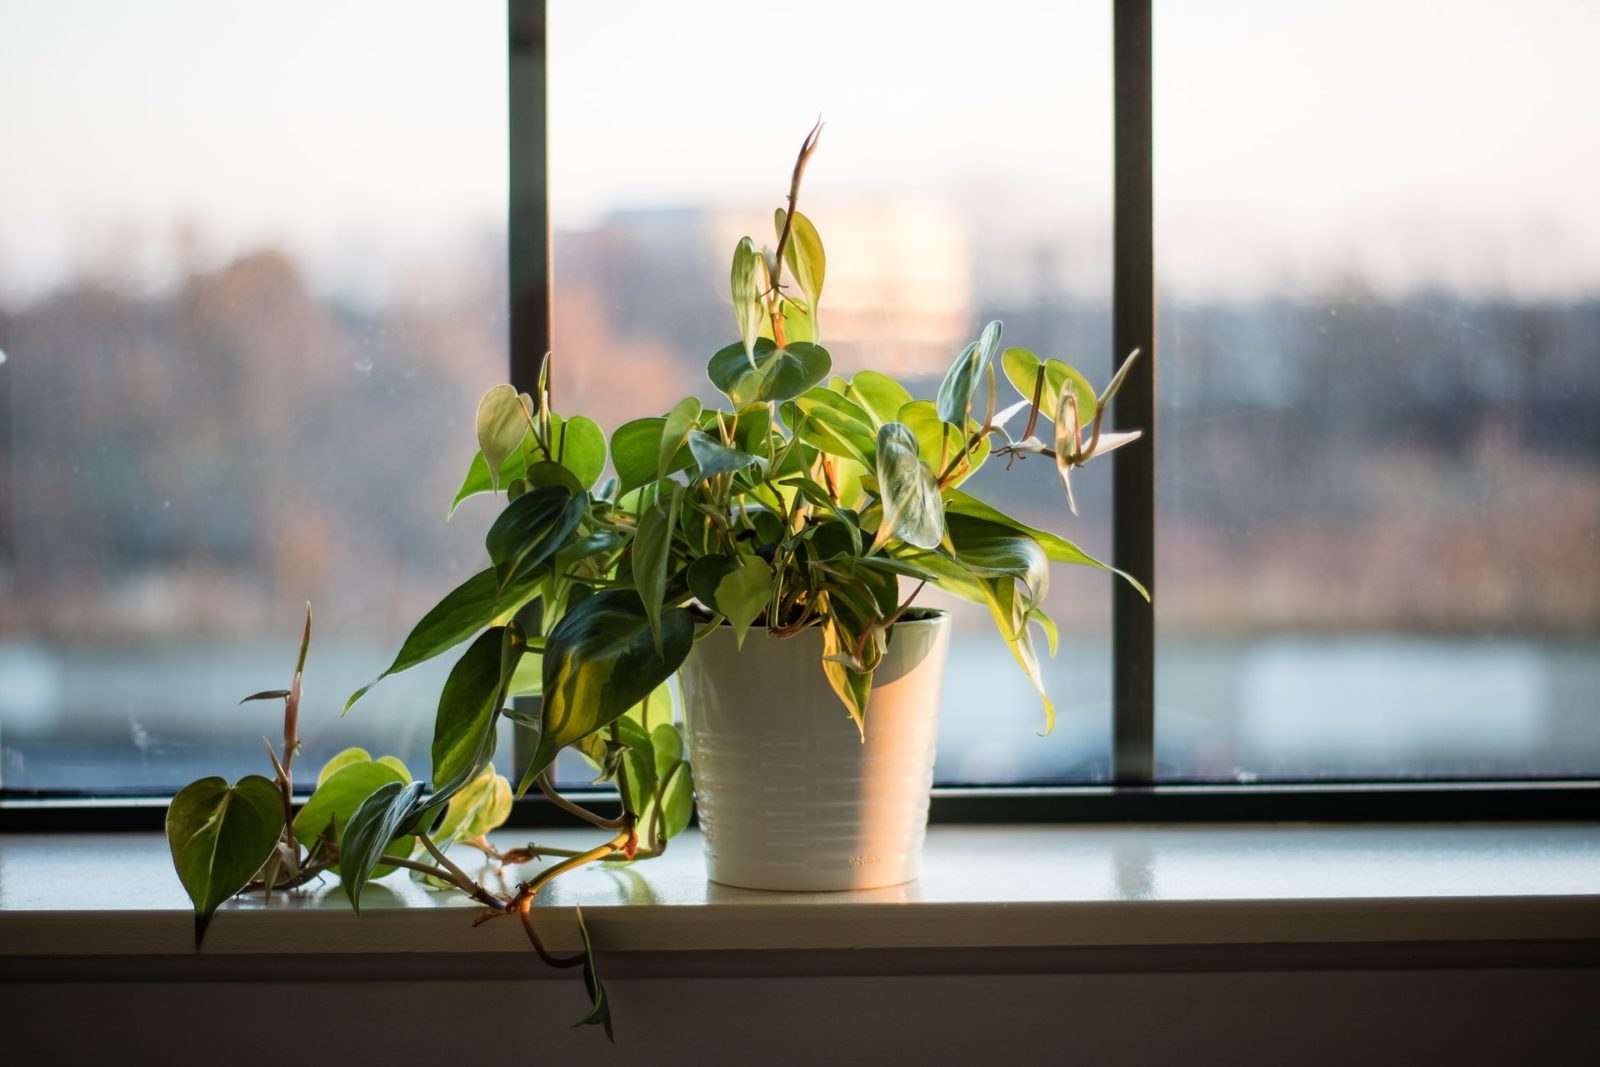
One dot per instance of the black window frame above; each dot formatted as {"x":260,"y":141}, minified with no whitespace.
{"x":1133,"y":794}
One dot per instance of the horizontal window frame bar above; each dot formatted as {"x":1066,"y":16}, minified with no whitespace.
{"x":1510,"y":800}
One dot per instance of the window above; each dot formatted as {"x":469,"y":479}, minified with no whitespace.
{"x":252,"y":280}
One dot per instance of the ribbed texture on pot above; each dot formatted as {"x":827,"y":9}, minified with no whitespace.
{"x":789,"y":796}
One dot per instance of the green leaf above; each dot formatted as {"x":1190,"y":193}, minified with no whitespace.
{"x":395,"y":764}
{"x":993,"y":550}
{"x":478,"y":479}
{"x":712,"y":457}
{"x":746,"y":297}
{"x":853,"y":687}
{"x":504,"y":418}
{"x":742,"y":594}
{"x":1011,"y":618}
{"x":772,"y":373}
{"x":465,"y":610}
{"x":704,"y":575}
{"x":480,"y":806}
{"x":367,"y":835}
{"x":542,"y":474}
{"x":579,"y":445}
{"x":961,"y":380}
{"x":1022,"y":369}
{"x":530,"y":530}
{"x":599,"y":1007}
{"x":804,"y":256}
{"x":652,"y":557}
{"x":912,"y":508}
{"x":463,"y":729}
{"x":220,"y":835}
{"x":676,"y":799}
{"x":1056,"y":548}
{"x":343,"y":759}
{"x":836,"y":425}
{"x":683,"y":417}
{"x":599,"y":661}
{"x":938,"y":442}
{"x":879,"y":395}
{"x":338,"y":796}
{"x":636,"y":450}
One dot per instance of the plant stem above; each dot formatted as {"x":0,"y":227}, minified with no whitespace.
{"x":573,"y":809}
{"x":462,"y":880}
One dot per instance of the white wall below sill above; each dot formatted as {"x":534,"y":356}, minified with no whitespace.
{"x":1236,"y":944}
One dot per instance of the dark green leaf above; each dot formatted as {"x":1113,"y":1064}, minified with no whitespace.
{"x":266,"y":694}
{"x":705,"y":572}
{"x":541,"y":474}
{"x":220,"y":835}
{"x":652,"y":557}
{"x":599,"y":661}
{"x":367,"y":835}
{"x":470,"y":704}
{"x":599,"y":1007}
{"x":778,"y":373}
{"x":992,"y":550}
{"x":465,"y":610}
{"x":530,"y":530}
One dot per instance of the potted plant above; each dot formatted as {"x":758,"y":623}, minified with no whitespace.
{"x":770,"y":551}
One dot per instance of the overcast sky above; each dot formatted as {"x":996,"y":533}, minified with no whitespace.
{"x":1405,"y":144}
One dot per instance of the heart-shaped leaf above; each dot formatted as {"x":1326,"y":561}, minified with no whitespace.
{"x":599,"y":661}
{"x":771,"y":373}
{"x":504,"y":418}
{"x":742,"y":594}
{"x":579,"y":445}
{"x":836,"y":425}
{"x":1022,"y":371}
{"x":912,"y":508}
{"x":220,"y":835}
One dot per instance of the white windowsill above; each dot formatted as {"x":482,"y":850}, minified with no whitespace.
{"x":983,"y":887}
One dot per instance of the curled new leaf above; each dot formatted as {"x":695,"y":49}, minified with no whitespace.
{"x":747,"y":267}
{"x":504,"y":417}
{"x":961,"y":380}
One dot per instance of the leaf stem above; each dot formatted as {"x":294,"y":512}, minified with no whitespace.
{"x":570,"y":808}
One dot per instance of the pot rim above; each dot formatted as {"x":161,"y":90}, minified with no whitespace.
{"x":931,"y":617}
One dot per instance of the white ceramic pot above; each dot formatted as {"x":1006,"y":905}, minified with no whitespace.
{"x":788,"y":794}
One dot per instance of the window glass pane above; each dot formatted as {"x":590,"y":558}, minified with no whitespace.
{"x":963,"y":175}
{"x":1379,"y":252}
{"x":250,"y":289}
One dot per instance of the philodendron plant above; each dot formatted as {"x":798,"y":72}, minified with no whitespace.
{"x":808,"y":500}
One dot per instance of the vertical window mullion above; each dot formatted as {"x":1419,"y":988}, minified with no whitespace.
{"x":528,"y":234}
{"x":1133,"y":308}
